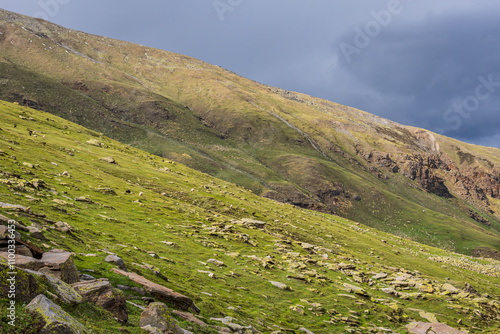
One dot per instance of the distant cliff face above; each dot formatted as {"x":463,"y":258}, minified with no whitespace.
{"x":283,"y":145}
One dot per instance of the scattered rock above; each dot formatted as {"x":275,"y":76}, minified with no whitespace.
{"x":216,"y":262}
{"x":63,"y":227}
{"x":83,"y":199}
{"x":36,"y":233}
{"x":94,"y":142}
{"x":189,"y":317}
{"x":116,"y":260}
{"x":281,"y":286}
{"x":380,"y":276}
{"x":57,"y":321}
{"x":152,"y":330}
{"x":27,"y":284}
{"x":59,"y":264}
{"x":25,"y":262}
{"x":86,"y":277}
{"x":162,"y":293}
{"x":427,"y":288}
{"x":101,"y":293}
{"x":252,"y":223}
{"x":64,"y":291}
{"x":429,"y":316}
{"x":109,"y":160}
{"x":356,"y":289}
{"x":436,"y":328}
{"x":157,"y":315}
{"x":449,"y":288}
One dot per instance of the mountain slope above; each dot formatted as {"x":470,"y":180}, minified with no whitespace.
{"x":163,"y":217}
{"x":282,"y":145}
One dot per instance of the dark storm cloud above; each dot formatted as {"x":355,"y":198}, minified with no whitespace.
{"x":415,"y":69}
{"x":427,"y":73}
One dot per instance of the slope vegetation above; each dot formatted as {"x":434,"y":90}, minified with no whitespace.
{"x":222,"y":245}
{"x":282,"y":145}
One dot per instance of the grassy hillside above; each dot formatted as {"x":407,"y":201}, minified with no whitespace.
{"x":141,"y":201}
{"x":282,"y":145}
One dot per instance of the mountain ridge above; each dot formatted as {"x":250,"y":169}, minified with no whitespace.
{"x":269,"y":266}
{"x":282,"y":145}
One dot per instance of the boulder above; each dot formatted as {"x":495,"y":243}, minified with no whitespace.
{"x":101,"y":293}
{"x":59,"y":264}
{"x":24,"y":262}
{"x":57,"y":321}
{"x":449,"y":288}
{"x":4,"y":232}
{"x":63,"y":227}
{"x":19,"y":250}
{"x":110,"y":160}
{"x":380,"y":276}
{"x":436,"y":328}
{"x":356,"y":289}
{"x":189,"y":317}
{"x":216,"y":262}
{"x":252,"y":223}
{"x":279,"y":285}
{"x":162,"y":293}
{"x":152,"y":330}
{"x":157,"y":315}
{"x":305,"y":330}
{"x":116,"y":260}
{"x":64,"y":291}
{"x":27,"y":285}
{"x":36,"y":233}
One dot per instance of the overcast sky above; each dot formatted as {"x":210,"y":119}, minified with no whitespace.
{"x":424,"y":63}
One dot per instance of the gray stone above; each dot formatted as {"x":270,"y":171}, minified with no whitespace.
{"x":305,"y":330}
{"x":157,"y":315}
{"x":162,"y":293}
{"x":59,"y":264}
{"x":86,"y":277}
{"x":152,"y":330}
{"x":279,"y":285}
{"x":116,"y":260}
{"x":24,"y":262}
{"x":27,"y":284}
{"x":110,"y":160}
{"x":436,"y":328}
{"x":63,"y":227}
{"x":356,"y":289}
{"x":57,"y":321}
{"x":101,"y":293}
{"x":215,"y":262}
{"x":449,"y":288}
{"x":64,"y":291}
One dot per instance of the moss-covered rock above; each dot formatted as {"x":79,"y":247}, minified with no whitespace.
{"x":157,"y":315}
{"x":56,"y":320}
{"x":101,"y":293}
{"x":24,"y":288}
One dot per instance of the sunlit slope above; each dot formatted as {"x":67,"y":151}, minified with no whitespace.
{"x":283,"y":145}
{"x":135,"y":202}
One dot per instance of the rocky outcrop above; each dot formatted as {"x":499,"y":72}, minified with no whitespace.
{"x":157,"y":316}
{"x":26,"y":285}
{"x":59,"y":264}
{"x":437,"y":328}
{"x":57,"y":321}
{"x":439,"y":174}
{"x":116,"y":260}
{"x":101,"y":293}
{"x":64,"y":291}
{"x":162,"y":293}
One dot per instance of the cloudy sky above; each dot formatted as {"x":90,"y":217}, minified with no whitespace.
{"x":424,"y":63}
